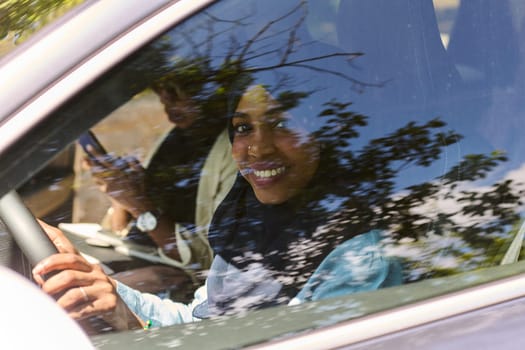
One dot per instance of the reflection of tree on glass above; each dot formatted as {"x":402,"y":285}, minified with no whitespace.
{"x":269,"y":249}
{"x":323,"y":182}
{"x":373,"y":198}
{"x":266,"y":238}
{"x":24,"y":18}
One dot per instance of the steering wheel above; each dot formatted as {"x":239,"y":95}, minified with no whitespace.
{"x":34,"y":243}
{"x":25,"y":230}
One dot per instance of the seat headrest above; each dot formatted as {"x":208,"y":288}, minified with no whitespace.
{"x":400,"y":43}
{"x":483,"y":39}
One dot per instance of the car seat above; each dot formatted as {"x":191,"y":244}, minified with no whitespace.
{"x":483,"y":43}
{"x":401,"y":47}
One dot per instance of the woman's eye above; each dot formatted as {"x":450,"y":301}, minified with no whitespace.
{"x":281,"y":124}
{"x":241,"y":128}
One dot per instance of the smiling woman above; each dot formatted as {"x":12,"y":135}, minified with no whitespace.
{"x":274,"y":233}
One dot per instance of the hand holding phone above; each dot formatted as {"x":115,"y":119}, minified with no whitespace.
{"x":91,"y":145}
{"x":122,"y":178}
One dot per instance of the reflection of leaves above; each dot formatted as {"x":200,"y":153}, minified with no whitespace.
{"x":340,"y":126}
{"x":412,"y":144}
{"x":289,"y":99}
{"x":23,"y":17}
{"x":499,"y":202}
{"x":473,"y":167}
{"x":372,"y":200}
{"x":360,"y":182}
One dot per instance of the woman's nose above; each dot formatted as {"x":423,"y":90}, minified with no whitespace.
{"x":262,"y":143}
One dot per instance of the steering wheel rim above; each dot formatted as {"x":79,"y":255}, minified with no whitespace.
{"x":25,"y":229}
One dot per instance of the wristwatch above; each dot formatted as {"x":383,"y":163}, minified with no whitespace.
{"x":147,"y":221}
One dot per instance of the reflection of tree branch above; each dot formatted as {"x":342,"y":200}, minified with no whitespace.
{"x":365,"y":176}
{"x":292,"y":38}
{"x":360,"y":83}
{"x":208,"y":41}
{"x":188,"y":38}
{"x":267,"y":26}
{"x":262,"y":54}
{"x":238,"y":21}
{"x":241,"y":60}
{"x":298,"y":63}
{"x":209,"y":44}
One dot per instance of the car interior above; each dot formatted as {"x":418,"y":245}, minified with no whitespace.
{"x":432,"y":94}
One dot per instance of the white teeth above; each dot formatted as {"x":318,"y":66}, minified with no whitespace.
{"x":269,"y":172}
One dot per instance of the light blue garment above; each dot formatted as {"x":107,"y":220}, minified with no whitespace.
{"x":357,"y":265}
{"x":161,"y":312}
{"x":238,"y":289}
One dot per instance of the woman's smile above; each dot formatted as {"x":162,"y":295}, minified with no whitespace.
{"x":269,"y":172}
{"x":263,"y":176}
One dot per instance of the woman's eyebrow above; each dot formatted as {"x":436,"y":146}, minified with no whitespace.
{"x":240,"y":115}
{"x":276,"y":111}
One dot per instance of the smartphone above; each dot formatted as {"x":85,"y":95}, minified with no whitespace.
{"x":95,"y":148}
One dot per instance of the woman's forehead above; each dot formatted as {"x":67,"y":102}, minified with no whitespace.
{"x":260,"y":106}
{"x":257,"y":98}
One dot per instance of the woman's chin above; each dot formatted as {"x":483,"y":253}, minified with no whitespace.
{"x":271,"y":198}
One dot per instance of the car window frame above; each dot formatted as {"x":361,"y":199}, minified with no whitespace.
{"x":330,"y":323}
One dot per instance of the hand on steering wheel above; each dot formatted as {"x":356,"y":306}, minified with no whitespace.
{"x":81,"y":288}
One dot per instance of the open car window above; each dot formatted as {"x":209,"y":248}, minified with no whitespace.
{"x":396,"y":125}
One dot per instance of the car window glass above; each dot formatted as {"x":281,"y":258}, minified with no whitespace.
{"x":394,"y":153}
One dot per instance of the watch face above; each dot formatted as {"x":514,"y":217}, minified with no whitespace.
{"x":146,"y":222}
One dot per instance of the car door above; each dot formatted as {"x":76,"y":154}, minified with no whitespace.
{"x":423,"y":145}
